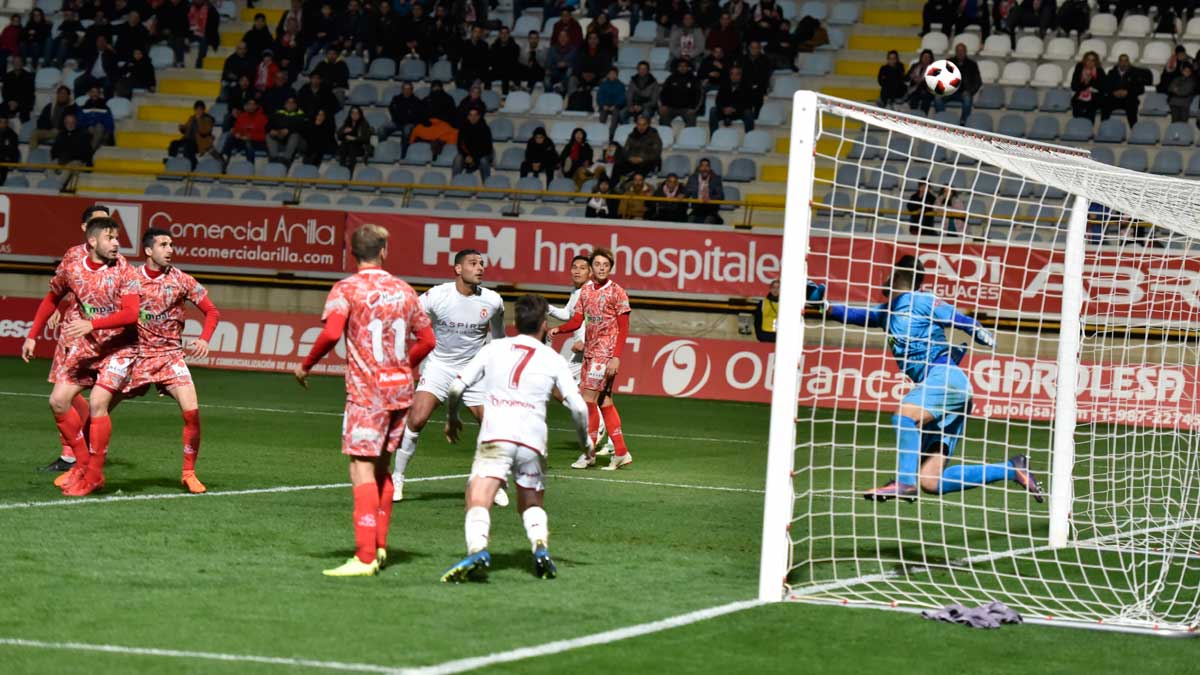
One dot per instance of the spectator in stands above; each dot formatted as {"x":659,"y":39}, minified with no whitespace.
{"x":17,"y":93}
{"x":319,"y":138}
{"x":591,"y":65}
{"x":95,"y":118}
{"x":132,"y":35}
{"x":50,"y":121}
{"x":920,"y":208}
{"x":355,"y":32}
{"x":504,"y":61}
{"x":258,"y":39}
{"x":892,"y":85}
{"x":474,"y":59}
{"x":610,"y":158}
{"x":316,"y":96}
{"x":72,"y":145}
{"x":1170,"y":70}
{"x":101,"y":70}
{"x":35,"y":40}
{"x":919,"y":96}
{"x":972,"y":12}
{"x":611,"y":100}
{"x":406,"y":112}
{"x":740,"y":12}
{"x":1074,"y":15}
{"x":604,"y":29}
{"x":136,"y":73}
{"x":782,"y":48}
{"x":249,"y":133}
{"x":756,"y":68}
{"x":971,"y":82}
{"x":171,"y":26}
{"x":567,"y":24}
{"x":599,"y":205}
{"x":1006,"y":17}
{"x":277,"y":94}
{"x":643,"y":150}
{"x":203,"y":29}
{"x":10,"y":152}
{"x":354,"y":139}
{"x":1124,"y":85}
{"x":1039,"y":14}
{"x":560,"y":62}
{"x":10,"y":37}
{"x":706,"y":186}
{"x":766,"y":314}
{"x":725,"y":35}
{"x":475,"y":148}
{"x":1181,"y":91}
{"x":576,"y":154}
{"x":687,"y":39}
{"x":942,"y":12}
{"x":533,"y":62}
{"x":100,"y":26}
{"x":662,"y":33}
{"x":541,"y":158}
{"x":674,"y":211}
{"x":440,"y":104}
{"x":442,"y":36}
{"x":951,"y":209}
{"x":681,"y":96}
{"x":809,"y":35}
{"x":325,"y":32}
{"x":635,"y":209}
{"x":236,"y":101}
{"x":66,"y":39}
{"x":625,"y":9}
{"x":1087,"y":81}
{"x":383,"y":27}
{"x":641,"y":95}
{"x":285,"y":132}
{"x":265,"y":72}
{"x":196,"y":135}
{"x":334,"y":73}
{"x":734,"y":102}
{"x":714,"y":71}
{"x":289,"y":50}
{"x":237,"y":65}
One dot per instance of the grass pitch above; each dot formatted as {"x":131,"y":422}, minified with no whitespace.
{"x":239,"y":575}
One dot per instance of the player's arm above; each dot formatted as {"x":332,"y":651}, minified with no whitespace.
{"x":469,"y":376}
{"x":614,"y":364}
{"x":946,"y":316}
{"x":424,"y":345}
{"x":212,"y":316}
{"x":47,"y":308}
{"x":566,"y":311}
{"x":498,"y":323}
{"x":565,"y":384}
{"x":126,"y":316}
{"x":814,"y":298}
{"x":335,"y":326}
{"x":570,"y":326}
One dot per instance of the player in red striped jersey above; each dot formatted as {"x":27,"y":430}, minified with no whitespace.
{"x":164,"y":291}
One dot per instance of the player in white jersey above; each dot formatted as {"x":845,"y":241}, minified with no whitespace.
{"x":464,"y":315}
{"x":572,"y":349}
{"x":516,"y":377}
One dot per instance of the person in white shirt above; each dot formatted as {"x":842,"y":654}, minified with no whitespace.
{"x":572,"y":349}
{"x":515,"y":376}
{"x":464,"y":316}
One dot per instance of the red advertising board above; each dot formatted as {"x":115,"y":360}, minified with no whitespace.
{"x":275,"y":238}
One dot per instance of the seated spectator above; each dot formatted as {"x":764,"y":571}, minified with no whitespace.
{"x":576,"y":154}
{"x":1124,"y":86}
{"x":970,"y":85}
{"x":643,"y":150}
{"x":567,"y":24}
{"x":920,"y":208}
{"x":1181,"y":91}
{"x":258,"y":39}
{"x":95,"y":118}
{"x":475,"y":149}
{"x":265,"y":73}
{"x":249,"y":133}
{"x":560,"y":63}
{"x":687,"y":40}
{"x":1170,"y":70}
{"x":680,"y":96}
{"x":604,"y":29}
{"x":472,"y":101}
{"x":384,"y":27}
{"x":473,"y":59}
{"x":355,"y":30}
{"x":892,"y":87}
{"x":66,"y":40}
{"x":504,"y":61}
{"x":289,"y":50}
{"x":10,"y":152}
{"x":35,"y":39}
{"x":1006,"y":17}
{"x":436,"y":132}
{"x":740,"y":12}
{"x":782,"y":48}
{"x":541,"y":158}
{"x":943,"y":12}
{"x":196,"y":135}
{"x":334,"y":73}
{"x":734,"y":102}
{"x":919,"y":97}
{"x":132,"y":35}
{"x":325,"y":32}
{"x":136,"y":73}
{"x":1074,"y":15}
{"x":203,"y":30}
{"x":354,"y":139}
{"x":756,"y":69}
{"x":10,"y":37}
{"x":277,"y":94}
{"x":170,"y":25}
{"x":725,"y":35}
{"x":950,"y":208}
{"x":766,"y":314}
{"x":285,"y":132}
{"x":17,"y":91}
{"x":440,"y":104}
{"x":972,"y":12}
{"x":599,"y":205}
{"x":320,"y":140}
{"x":315,"y":96}
{"x":100,"y":70}
{"x":610,"y":99}
{"x":714,"y":71}
{"x":533,"y":62}
{"x":405,"y":111}
{"x":625,"y":9}
{"x":1087,"y":81}
{"x":706,"y":186}
{"x":674,"y":211}
{"x":612,"y":157}
{"x":1038,"y":14}
{"x":50,"y":121}
{"x":635,"y":209}
{"x":237,"y":65}
{"x":808,"y":36}
{"x":641,"y":94}
{"x":591,"y":65}
{"x":72,"y":145}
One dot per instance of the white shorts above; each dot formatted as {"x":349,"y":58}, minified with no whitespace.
{"x":436,"y":379}
{"x":576,"y":367}
{"x":495,"y":459}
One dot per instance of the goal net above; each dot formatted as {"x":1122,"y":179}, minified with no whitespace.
{"x":1088,"y":277}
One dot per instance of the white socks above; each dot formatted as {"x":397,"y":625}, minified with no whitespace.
{"x":536,"y":525}
{"x":408,"y":446}
{"x":477,"y":526}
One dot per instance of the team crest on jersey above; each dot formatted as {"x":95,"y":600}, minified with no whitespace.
{"x":483,"y":312}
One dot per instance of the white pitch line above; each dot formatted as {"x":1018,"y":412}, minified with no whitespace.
{"x":559,"y":646}
{"x":211,"y":656}
{"x":683,"y":486}
{"x":206,"y":495}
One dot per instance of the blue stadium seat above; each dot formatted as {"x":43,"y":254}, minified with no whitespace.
{"x":990,"y":97}
{"x":271,"y":171}
{"x":1045,"y":128}
{"x":447,"y":206}
{"x":315,"y":198}
{"x":772,"y":113}
{"x":1179,"y":133}
{"x":219,"y":192}
{"x":491,"y":100}
{"x":1079,"y":130}
{"x":1193,"y":165}
{"x":399,"y":177}
{"x":816,"y":64}
{"x":544,"y":209}
{"x":498,"y":181}
{"x":511,"y":159}
{"x":1144,"y":132}
{"x":464,"y":180}
{"x":844,"y":14}
{"x":1012,"y":125}
{"x":349,"y":200}
{"x":986,"y":183}
{"x":382,"y":68}
{"x":208,"y":165}
{"x":531,"y":183}
{"x":733,"y":194}
{"x":519,"y":102}
{"x":367,"y":174}
{"x":560,"y":185}
{"x":1011,"y":187}
{"x":1104,"y":155}
{"x":1056,"y":100}
{"x":1134,"y":159}
{"x":418,"y":205}
{"x":155,"y":189}
{"x":411,"y":70}
{"x":757,"y":142}
{"x":334,"y":172}
{"x":180,"y":164}
{"x":281,"y":196}
{"x":362,"y":94}
{"x":676,"y":164}
{"x":387,"y":152}
{"x":692,"y":138}
{"x":441,"y":71}
{"x":239,"y":170}
{"x":1155,"y":105}
{"x":253,"y":196}
{"x":502,"y":129}
{"x":381,"y":203}
{"x":981,"y":121}
{"x":356,"y":66}
{"x":432,"y":179}
{"x":875,"y":179}
{"x":525,"y":131}
{"x":1112,"y":130}
{"x":419,"y":154}
{"x":479,"y":207}
{"x":742,"y":170}
{"x":847,"y":175}
{"x":1023,"y":99}
{"x":1167,"y":163}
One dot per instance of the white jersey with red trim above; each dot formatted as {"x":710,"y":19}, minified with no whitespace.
{"x":516,"y":376}
{"x":461,"y":323}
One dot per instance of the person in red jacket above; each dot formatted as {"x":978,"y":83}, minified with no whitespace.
{"x":249,"y":132}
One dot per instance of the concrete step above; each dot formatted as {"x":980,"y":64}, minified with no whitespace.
{"x":175,"y":112}
{"x":892,"y":17}
{"x":273,"y":14}
{"x":879,"y":44}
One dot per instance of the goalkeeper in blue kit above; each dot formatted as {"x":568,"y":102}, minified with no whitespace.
{"x":932,"y":416}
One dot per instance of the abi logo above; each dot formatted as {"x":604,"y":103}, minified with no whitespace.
{"x":5,"y":217}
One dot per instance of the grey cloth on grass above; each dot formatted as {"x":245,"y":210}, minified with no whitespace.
{"x":988,"y":616}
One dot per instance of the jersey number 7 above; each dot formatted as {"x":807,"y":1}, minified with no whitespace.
{"x":514,"y":381}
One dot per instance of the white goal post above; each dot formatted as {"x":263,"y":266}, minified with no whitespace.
{"x":1089,"y":277}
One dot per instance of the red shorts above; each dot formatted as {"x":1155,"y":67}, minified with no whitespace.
{"x":73,"y":364}
{"x":167,"y":370}
{"x":592,"y":376}
{"x":369,"y":433}
{"x":115,"y":370}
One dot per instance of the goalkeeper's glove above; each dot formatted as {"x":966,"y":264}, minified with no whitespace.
{"x":985,"y":337}
{"x":814,"y":297}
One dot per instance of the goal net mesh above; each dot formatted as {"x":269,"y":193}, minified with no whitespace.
{"x":987,"y":218}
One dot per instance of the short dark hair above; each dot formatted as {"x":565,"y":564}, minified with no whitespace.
{"x":906,"y":272}
{"x":87,"y":213}
{"x":200,"y":104}
{"x":462,"y":255}
{"x":152,"y":234}
{"x":585,"y":258}
{"x":643,"y":63}
{"x":601,"y":252}
{"x":531,"y":312}
{"x":260,"y":15}
{"x":368,"y":242}
{"x":97,"y":225}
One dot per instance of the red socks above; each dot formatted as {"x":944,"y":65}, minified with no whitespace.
{"x":79,"y":406}
{"x":101,"y":433}
{"x":366,"y":519}
{"x":70,"y":431}
{"x":612,"y":423}
{"x":84,"y":410}
{"x":191,"y":439}
{"x":593,"y":421}
{"x":386,"y":491}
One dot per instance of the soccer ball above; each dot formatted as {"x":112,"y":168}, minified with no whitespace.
{"x":942,"y":77}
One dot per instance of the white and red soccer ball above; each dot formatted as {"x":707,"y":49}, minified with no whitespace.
{"x":943,"y":77}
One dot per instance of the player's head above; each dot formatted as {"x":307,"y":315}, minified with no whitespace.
{"x":468,"y":266}
{"x":581,"y":270}
{"x":531,"y":316}
{"x":157,"y":246}
{"x":907,"y":275}
{"x":93,"y":211}
{"x":602,"y":263}
{"x":104,"y":237}
{"x":368,"y":244}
